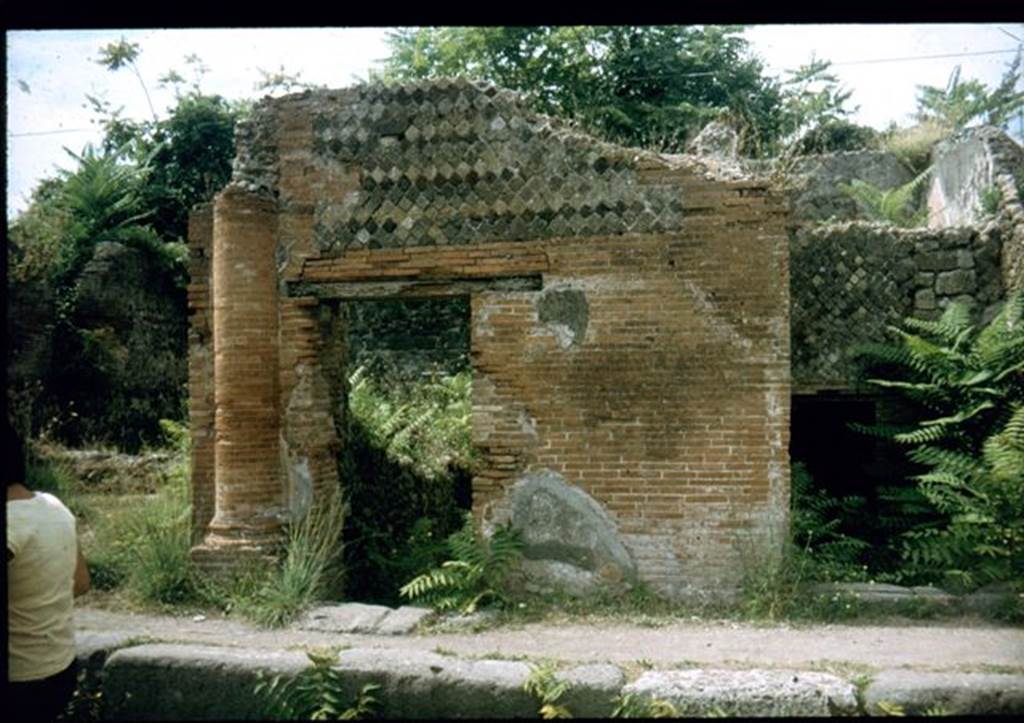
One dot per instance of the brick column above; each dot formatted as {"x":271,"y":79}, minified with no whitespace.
{"x":247,"y":455}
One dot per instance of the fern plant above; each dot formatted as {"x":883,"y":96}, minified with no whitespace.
{"x":970,"y":443}
{"x":317,"y":693}
{"x":899,"y":206}
{"x":817,"y":521}
{"x":473,"y":575}
{"x":548,"y":690}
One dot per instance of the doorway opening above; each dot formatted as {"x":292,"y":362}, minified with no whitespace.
{"x":407,"y":458}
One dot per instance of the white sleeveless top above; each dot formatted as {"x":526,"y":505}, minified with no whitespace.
{"x":40,"y":585}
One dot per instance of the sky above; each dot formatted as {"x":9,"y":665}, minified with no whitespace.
{"x":50,"y":72}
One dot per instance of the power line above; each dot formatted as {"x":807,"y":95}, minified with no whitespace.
{"x":49,"y":133}
{"x":925,"y":57}
{"x":696,"y":74}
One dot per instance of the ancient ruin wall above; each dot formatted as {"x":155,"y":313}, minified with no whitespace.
{"x":629,"y":313}
{"x":851,"y":280}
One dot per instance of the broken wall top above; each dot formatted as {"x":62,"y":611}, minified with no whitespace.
{"x":455,"y":162}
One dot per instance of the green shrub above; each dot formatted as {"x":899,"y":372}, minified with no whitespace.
{"x":144,"y":548}
{"x":475,"y":573}
{"x":818,"y":521}
{"x":913,"y":146}
{"x":838,"y":135}
{"x":407,"y":465}
{"x":900,"y":206}
{"x":969,"y":441}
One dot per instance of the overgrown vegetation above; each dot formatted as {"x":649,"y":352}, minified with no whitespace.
{"x":135,"y":190}
{"x":414,"y":444}
{"x":474,"y":574}
{"x":310,"y":569}
{"x":143,"y":548}
{"x":901,"y":206}
{"x":969,"y":439}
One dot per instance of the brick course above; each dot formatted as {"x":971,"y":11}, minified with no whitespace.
{"x":656,"y":378}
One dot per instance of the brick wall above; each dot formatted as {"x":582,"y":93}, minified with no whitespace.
{"x":629,"y":313}
{"x":668,"y":403}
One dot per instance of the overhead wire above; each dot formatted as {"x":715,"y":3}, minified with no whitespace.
{"x":696,"y":74}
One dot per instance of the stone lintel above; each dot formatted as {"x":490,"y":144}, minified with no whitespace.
{"x":406,"y":287}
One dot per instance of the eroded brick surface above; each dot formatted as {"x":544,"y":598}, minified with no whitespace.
{"x":629,"y":314}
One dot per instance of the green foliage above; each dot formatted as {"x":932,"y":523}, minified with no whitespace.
{"x":632,"y":705}
{"x":43,"y":475}
{"x":415,"y":444}
{"x":900,"y":206}
{"x":962,"y":102}
{"x":136,"y":189}
{"x":833,"y":136}
{"x":547,"y":689}
{"x":989,"y":200}
{"x":144,"y":548}
{"x":648,"y":86}
{"x":814,"y":106}
{"x":317,"y":693}
{"x":473,"y":575}
{"x":309,"y":571}
{"x":913,"y":145}
{"x":830,"y":553}
{"x":970,"y":442}
{"x":193,"y":149}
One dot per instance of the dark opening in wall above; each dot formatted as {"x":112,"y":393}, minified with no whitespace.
{"x":406,"y":464}
{"x":840,"y":461}
{"x":846,"y":463}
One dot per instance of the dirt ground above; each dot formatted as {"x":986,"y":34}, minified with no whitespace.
{"x":958,"y":645}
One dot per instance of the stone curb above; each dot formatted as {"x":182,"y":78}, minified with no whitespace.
{"x":923,"y":693}
{"x":169,"y":681}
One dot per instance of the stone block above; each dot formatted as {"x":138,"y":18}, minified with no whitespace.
{"x":347,"y":618}
{"x":918,"y":692}
{"x":403,"y":620}
{"x":592,"y":688}
{"x":950,"y":283}
{"x":924,"y":299}
{"x":965,"y":259}
{"x":570,"y":541}
{"x":924,"y":279}
{"x":937,"y":261}
{"x":191,"y":682}
{"x":753,"y":693}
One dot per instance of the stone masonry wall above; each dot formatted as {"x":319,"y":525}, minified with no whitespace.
{"x":629,"y":312}
{"x":851,"y":280}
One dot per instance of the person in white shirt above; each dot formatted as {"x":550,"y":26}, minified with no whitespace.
{"x":45,"y":571}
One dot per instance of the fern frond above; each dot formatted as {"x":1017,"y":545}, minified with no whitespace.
{"x":923,"y":435}
{"x":960,"y":464}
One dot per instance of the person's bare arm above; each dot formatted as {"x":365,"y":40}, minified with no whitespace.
{"x":82,"y":582}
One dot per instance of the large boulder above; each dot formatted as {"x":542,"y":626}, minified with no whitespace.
{"x":571,"y":543}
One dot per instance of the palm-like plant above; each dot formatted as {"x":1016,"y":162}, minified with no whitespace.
{"x":971,"y":443}
{"x":899,"y":206}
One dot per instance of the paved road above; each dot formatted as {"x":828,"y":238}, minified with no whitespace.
{"x":938,"y":646}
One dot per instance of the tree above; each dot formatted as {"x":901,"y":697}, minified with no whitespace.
{"x":963,"y":102}
{"x":814,"y":111}
{"x":652,"y":86}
